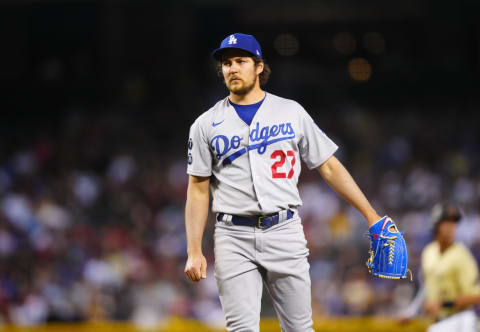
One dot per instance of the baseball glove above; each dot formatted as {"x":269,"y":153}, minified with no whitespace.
{"x":388,"y":251}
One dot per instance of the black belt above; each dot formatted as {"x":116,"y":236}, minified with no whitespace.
{"x":257,"y":221}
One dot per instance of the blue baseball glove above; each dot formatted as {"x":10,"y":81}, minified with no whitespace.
{"x":388,"y":251}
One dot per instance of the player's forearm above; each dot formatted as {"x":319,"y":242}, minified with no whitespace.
{"x":333,"y":172}
{"x":196,"y":213}
{"x":465,"y":301}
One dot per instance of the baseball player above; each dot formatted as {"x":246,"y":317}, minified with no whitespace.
{"x":246,"y":150}
{"x":451,"y":275}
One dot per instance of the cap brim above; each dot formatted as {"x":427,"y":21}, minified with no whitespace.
{"x":217,"y":54}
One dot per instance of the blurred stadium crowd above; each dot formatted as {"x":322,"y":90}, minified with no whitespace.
{"x":98,"y":99}
{"x":92,"y":226}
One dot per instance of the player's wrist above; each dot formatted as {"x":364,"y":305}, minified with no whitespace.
{"x":372,"y":218}
{"x":195,"y":252}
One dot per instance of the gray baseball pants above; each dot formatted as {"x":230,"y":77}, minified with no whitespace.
{"x":246,"y":257}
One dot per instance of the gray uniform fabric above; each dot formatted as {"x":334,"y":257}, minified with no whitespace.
{"x":242,"y":158}
{"x":247,"y":256}
{"x":254,"y":170}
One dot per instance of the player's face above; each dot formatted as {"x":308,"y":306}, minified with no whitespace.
{"x":240,"y":73}
{"x":446,"y":231}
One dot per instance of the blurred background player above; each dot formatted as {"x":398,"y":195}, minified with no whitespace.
{"x":450,"y":276}
{"x":450,"y":273}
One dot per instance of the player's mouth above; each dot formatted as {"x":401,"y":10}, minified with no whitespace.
{"x":235,"y":79}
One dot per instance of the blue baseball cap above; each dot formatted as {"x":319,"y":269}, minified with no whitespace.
{"x":240,"y":41}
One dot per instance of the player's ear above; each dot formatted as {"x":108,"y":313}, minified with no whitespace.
{"x":259,"y":67}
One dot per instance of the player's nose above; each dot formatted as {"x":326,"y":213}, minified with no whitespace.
{"x":233,"y":68}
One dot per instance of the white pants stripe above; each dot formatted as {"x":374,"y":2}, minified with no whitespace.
{"x":465,"y":321}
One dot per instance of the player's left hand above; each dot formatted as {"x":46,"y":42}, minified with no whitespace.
{"x":388,"y":250}
{"x":196,"y":267}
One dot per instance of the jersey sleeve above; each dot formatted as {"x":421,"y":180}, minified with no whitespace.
{"x":431,"y":285}
{"x":467,"y":273}
{"x":314,"y":145}
{"x":199,"y":155}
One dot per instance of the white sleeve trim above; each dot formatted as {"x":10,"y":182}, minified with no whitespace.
{"x":198,"y":173}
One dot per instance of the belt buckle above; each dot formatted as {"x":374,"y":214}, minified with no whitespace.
{"x":259,"y":222}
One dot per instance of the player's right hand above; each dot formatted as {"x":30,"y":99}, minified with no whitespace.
{"x":432,"y":308}
{"x":403,"y":320}
{"x":196,"y":267}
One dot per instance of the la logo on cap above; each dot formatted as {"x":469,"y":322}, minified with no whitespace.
{"x":232,"y":40}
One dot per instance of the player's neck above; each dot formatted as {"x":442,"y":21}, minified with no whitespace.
{"x":444,"y":245}
{"x":252,"y":97}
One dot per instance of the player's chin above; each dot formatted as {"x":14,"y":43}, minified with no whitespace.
{"x":239,"y":89}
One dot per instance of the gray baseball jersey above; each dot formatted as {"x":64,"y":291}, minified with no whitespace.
{"x":256,"y":168}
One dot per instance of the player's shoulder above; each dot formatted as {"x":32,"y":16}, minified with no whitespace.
{"x":430,"y":248}
{"x":460,"y":248}
{"x":430,"y":255}
{"x":207,"y":117}
{"x":462,"y":255}
{"x":287,"y":105}
{"x":284,"y":102}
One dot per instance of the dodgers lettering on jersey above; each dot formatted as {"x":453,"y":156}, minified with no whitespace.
{"x":255,"y":168}
{"x":222,"y":145}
